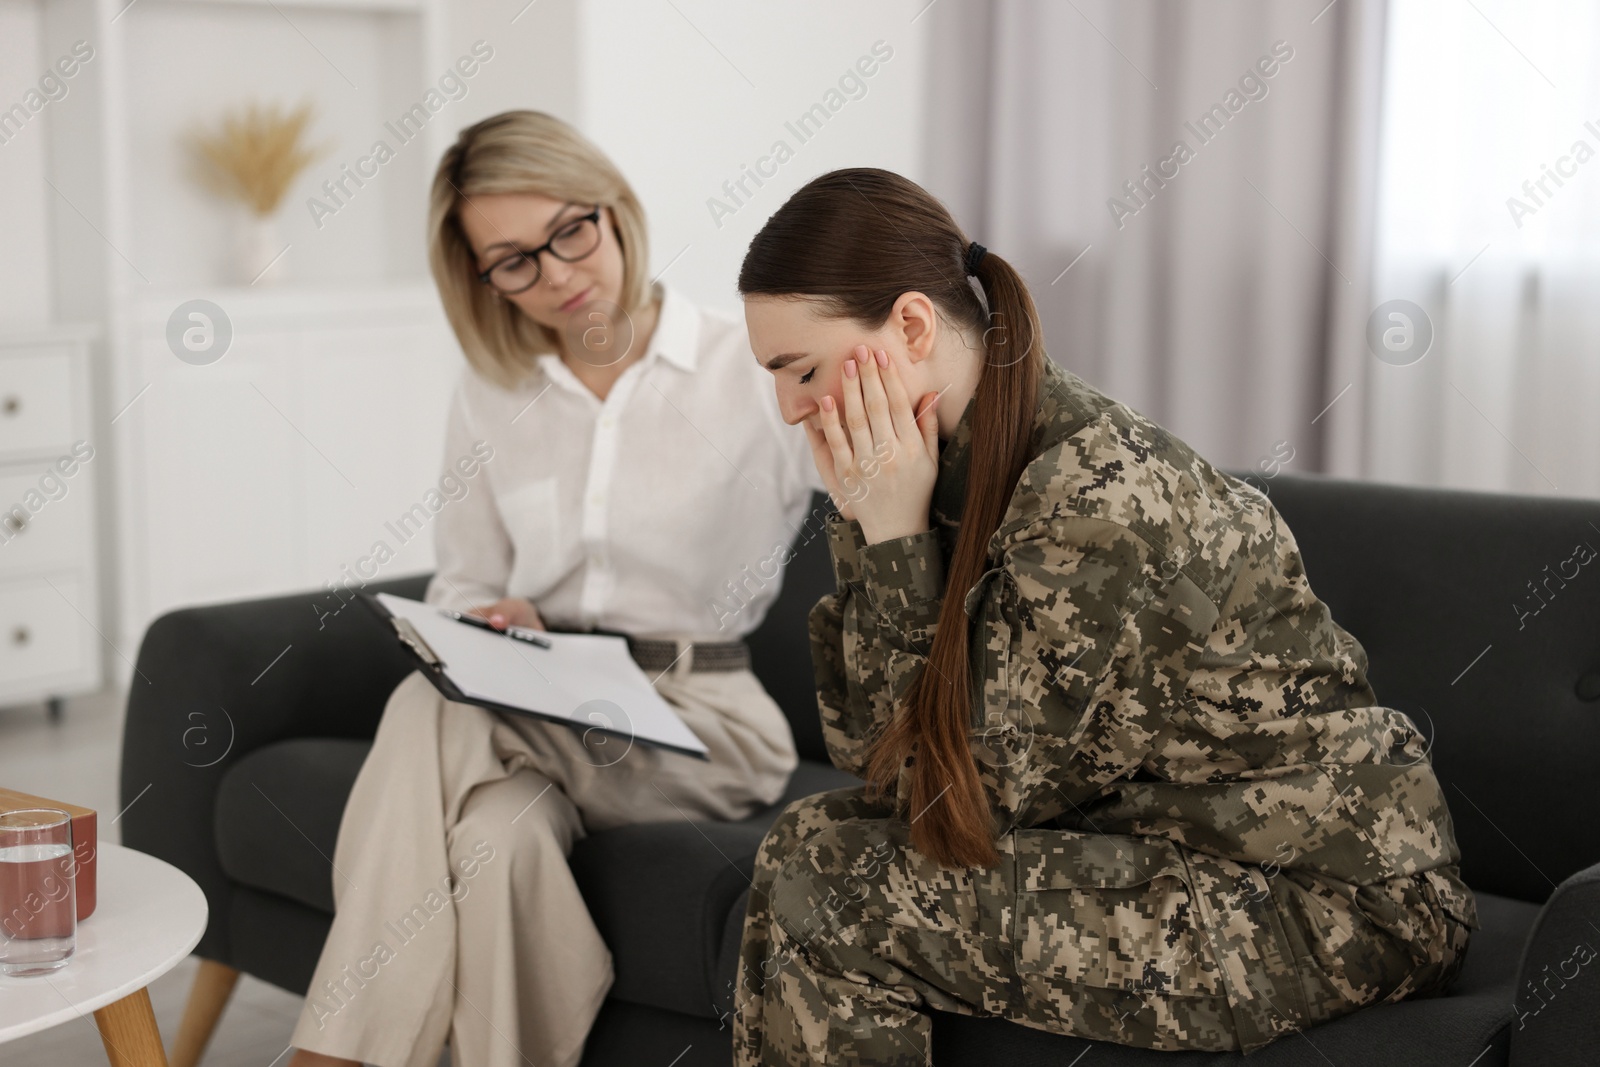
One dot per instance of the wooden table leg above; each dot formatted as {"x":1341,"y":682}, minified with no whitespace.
{"x":213,"y":984}
{"x":128,"y":1031}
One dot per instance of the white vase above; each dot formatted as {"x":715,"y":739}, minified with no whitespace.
{"x":259,"y":257}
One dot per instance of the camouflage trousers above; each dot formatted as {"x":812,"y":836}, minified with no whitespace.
{"x":851,"y":936}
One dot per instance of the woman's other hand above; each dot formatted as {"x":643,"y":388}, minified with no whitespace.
{"x":822,"y":456}
{"x":884,"y":455}
{"x":510,"y":611}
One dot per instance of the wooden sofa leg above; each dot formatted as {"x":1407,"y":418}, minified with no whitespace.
{"x":213,"y":984}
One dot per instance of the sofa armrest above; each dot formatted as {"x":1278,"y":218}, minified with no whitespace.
{"x":674,"y":930}
{"x":214,"y":683}
{"x":1557,"y":998}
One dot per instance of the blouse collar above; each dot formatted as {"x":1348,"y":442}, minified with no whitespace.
{"x":675,"y":339}
{"x":677,"y":334}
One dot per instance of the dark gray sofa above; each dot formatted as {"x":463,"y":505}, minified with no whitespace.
{"x":1439,"y":586}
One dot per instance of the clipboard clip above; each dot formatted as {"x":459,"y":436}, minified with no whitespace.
{"x":408,"y":635}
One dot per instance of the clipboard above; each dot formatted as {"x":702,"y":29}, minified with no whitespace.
{"x":586,"y":681}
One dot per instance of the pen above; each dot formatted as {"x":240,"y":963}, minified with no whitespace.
{"x":516,"y":633}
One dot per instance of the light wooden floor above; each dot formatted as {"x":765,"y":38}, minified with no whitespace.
{"x":77,"y":760}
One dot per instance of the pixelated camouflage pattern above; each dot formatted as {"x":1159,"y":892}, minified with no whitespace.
{"x":1211,"y":833}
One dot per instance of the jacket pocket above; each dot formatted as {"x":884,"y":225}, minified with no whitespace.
{"x":1453,"y":896}
{"x":1107,"y":911}
{"x":1400,"y":813}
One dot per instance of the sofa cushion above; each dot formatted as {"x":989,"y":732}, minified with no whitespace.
{"x":660,"y":893}
{"x":277,"y":816}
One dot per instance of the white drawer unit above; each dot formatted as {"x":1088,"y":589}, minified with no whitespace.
{"x":36,"y":400}
{"x":49,"y":571}
{"x":49,"y":522}
{"x":44,"y":641}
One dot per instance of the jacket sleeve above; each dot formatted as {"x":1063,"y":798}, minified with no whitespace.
{"x":1089,"y":644}
{"x":1079,"y":634}
{"x":870,"y":637}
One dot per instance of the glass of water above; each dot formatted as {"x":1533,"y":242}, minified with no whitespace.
{"x":38,"y":897}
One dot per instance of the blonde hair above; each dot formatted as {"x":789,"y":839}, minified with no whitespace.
{"x":521,"y":152}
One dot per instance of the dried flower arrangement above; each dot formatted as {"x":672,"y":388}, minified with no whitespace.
{"x":255,"y":156}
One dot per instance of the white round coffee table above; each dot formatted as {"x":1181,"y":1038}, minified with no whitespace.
{"x":148,"y":917}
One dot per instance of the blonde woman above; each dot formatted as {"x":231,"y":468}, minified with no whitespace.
{"x":632,"y":461}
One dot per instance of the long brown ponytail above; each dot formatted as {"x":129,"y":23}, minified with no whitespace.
{"x":857,"y":239}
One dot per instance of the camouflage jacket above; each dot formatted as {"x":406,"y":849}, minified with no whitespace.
{"x":1147,"y":658}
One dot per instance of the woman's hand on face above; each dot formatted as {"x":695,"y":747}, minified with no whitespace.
{"x":822,"y":456}
{"x":884,"y":456}
{"x":510,"y":611}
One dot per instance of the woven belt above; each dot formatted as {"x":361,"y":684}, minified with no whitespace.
{"x":657,"y":654}
{"x":652,"y":654}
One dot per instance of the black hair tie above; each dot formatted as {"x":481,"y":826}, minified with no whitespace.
{"x":975,"y":254}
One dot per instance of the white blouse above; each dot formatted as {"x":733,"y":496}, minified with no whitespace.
{"x":664,"y":509}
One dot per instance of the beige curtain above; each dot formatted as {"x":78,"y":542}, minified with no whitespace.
{"x":1489,"y":221}
{"x":1221,"y":287}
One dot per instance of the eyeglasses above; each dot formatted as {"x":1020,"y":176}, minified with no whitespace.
{"x":520,"y":270}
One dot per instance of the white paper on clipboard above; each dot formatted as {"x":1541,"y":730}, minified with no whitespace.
{"x":584,"y":679}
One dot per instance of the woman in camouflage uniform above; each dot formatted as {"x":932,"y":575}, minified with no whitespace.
{"x":1125,"y":776}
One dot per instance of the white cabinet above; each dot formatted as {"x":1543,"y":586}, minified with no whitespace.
{"x":274,"y":468}
{"x":35,"y":400}
{"x":46,"y":647}
{"x":49,"y":461}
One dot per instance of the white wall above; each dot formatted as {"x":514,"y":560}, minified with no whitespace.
{"x":536,"y":57}
{"x":683,"y":95}
{"x":24,"y":242}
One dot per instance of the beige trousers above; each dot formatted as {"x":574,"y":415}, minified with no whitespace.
{"x":456,"y":913}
